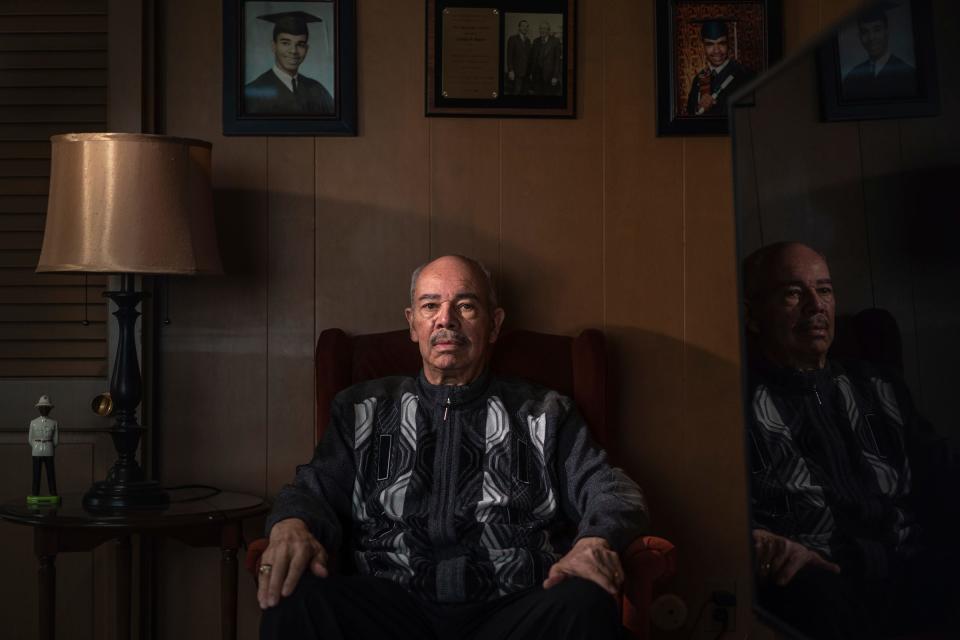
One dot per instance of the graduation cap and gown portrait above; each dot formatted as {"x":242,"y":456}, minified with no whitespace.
{"x":724,"y":78}
{"x":282,"y":89}
{"x":883,"y":75}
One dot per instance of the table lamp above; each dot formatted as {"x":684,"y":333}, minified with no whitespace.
{"x":128,"y":204}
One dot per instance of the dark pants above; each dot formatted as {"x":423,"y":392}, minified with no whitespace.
{"x":359,"y":607}
{"x":46,"y":461}
{"x":920,"y":596}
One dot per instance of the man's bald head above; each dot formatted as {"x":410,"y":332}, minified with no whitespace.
{"x":478,"y":268}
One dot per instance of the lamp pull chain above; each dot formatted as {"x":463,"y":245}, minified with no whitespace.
{"x":86,"y":302}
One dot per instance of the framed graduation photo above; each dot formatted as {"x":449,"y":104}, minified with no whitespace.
{"x":706,"y":52}
{"x":289,"y":68}
{"x":881,"y":64}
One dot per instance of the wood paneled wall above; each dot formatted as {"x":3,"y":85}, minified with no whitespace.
{"x":589,"y":222}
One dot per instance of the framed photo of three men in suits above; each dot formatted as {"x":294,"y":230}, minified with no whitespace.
{"x":497,"y":58}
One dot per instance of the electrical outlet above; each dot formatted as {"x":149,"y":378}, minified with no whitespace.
{"x":668,"y":612}
{"x":720,"y":613}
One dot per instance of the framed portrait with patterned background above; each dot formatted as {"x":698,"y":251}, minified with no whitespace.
{"x":706,"y":52}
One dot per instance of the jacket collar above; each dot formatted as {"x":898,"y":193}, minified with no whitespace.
{"x":458,"y":395}
{"x":764,"y":371}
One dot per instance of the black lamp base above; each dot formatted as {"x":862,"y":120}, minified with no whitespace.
{"x":125,"y":487}
{"x":121,"y":496}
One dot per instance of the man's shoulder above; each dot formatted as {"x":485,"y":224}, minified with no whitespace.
{"x":739,"y":67}
{"x":898,"y":64}
{"x":307,"y":81}
{"x":268,"y":77}
{"x":863,"y":69}
{"x":377,"y":389}
{"x":529,"y":396}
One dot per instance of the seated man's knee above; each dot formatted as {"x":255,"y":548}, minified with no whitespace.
{"x":584,"y":598}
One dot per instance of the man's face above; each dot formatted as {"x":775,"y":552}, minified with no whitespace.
{"x":873,"y":37}
{"x":544,"y":30}
{"x":289,"y":51}
{"x":523,"y":27}
{"x":716,"y":50}
{"x":793,"y":315}
{"x":452,"y":322}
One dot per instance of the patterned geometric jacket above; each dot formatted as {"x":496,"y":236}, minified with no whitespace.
{"x":830,"y":465}
{"x":459,"y":493}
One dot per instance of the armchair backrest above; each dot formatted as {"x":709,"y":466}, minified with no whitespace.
{"x":574,"y":366}
{"x":872,"y":335}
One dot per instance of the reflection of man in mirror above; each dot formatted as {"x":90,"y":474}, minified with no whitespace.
{"x":43,"y":438}
{"x":882,"y":74}
{"x":546,"y":64}
{"x":282,"y":89}
{"x":849,"y":485}
{"x":721,"y":76}
{"x":518,"y":60}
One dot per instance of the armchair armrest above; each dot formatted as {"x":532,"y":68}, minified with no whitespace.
{"x":644,"y":562}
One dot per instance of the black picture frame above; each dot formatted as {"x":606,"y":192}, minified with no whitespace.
{"x":325,"y":107}
{"x":754,"y":35}
{"x":527,"y":94}
{"x":904,"y":90}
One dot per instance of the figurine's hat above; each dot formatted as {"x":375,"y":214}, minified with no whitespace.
{"x":44,"y":401}
{"x":292,"y":22}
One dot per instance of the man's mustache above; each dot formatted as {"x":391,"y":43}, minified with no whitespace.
{"x":448,"y":335}
{"x":816,"y":322}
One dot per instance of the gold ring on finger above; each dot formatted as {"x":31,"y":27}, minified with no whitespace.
{"x":265,"y":569}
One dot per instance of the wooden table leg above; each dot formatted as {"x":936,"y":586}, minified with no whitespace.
{"x":230,"y":541}
{"x":123,"y":595}
{"x":45,"y":547}
{"x":47,"y":603}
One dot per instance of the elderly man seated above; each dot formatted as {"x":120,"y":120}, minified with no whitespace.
{"x":847,"y":503}
{"x":472,"y":506}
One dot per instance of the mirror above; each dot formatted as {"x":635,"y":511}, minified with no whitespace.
{"x":852,"y":148}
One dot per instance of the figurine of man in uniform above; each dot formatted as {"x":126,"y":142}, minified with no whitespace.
{"x":43,"y":438}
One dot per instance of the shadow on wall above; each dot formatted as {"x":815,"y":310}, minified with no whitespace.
{"x":683,"y":442}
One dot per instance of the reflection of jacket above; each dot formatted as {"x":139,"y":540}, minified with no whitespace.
{"x":43,"y":436}
{"x":459,"y":493}
{"x":268,"y":95}
{"x":896,"y":79}
{"x":829,"y":459}
{"x":741,"y":76}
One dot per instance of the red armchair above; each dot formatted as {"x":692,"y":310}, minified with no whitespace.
{"x":576,"y":367}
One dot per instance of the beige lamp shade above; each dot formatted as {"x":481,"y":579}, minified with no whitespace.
{"x":129,"y":203}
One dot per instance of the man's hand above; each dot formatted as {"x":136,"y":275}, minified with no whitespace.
{"x":511,"y":75}
{"x":780,"y":558}
{"x":591,"y":559}
{"x":707,"y":101}
{"x":291,"y":549}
